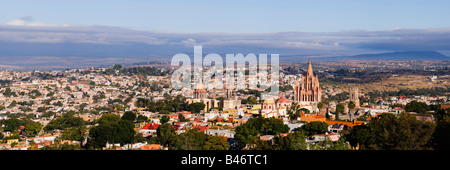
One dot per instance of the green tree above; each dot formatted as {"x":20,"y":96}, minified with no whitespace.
{"x":119,"y":107}
{"x":181,"y":118}
{"x":294,"y":111}
{"x":263,"y":145}
{"x":59,"y":103}
{"x":8,"y":92}
{"x":415,"y":106}
{"x":32,"y":128}
{"x":216,"y":143}
{"x":67,"y":88}
{"x":50,"y":94}
{"x":164,"y":119}
{"x":35,"y":93}
{"x":75,"y":134}
{"x":189,"y":140}
{"x":252,"y":100}
{"x":441,"y":136}
{"x":108,"y":118}
{"x":327,"y":115}
{"x":13,"y":103}
{"x":141,"y":118}
{"x":62,"y":123}
{"x":359,"y":136}
{"x":121,"y":132}
{"x":320,"y":106}
{"x":129,"y":115}
{"x":340,"y":109}
{"x":250,"y":131}
{"x":165,"y":112}
{"x":351,"y":105}
{"x":41,"y":109}
{"x":12,"y":124}
{"x":165,"y":134}
{"x":82,"y":106}
{"x":326,"y":103}
{"x":98,"y":136}
{"x":293,"y":141}
{"x":391,"y":132}
{"x":327,"y":144}
{"x":196,"y":107}
{"x":315,"y":127}
{"x":111,"y":129}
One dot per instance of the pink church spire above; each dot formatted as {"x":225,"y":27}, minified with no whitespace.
{"x":310,"y":70}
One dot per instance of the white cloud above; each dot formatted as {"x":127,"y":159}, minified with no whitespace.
{"x":16,"y":22}
{"x":28,"y":21}
{"x":28,"y":30}
{"x":189,"y":42}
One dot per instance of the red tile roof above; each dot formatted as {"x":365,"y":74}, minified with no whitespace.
{"x":151,"y":126}
{"x":172,"y":116}
{"x":185,"y":113}
{"x":151,"y":147}
{"x":349,"y":124}
{"x":201,"y":128}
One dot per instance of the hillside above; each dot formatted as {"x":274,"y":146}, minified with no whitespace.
{"x":407,"y":55}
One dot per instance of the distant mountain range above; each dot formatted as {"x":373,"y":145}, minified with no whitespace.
{"x":400,"y":56}
{"x":62,"y":62}
{"x":406,"y":55}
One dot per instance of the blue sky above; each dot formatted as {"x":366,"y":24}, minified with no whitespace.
{"x":235,"y":16}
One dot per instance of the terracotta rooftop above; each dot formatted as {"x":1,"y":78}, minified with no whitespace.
{"x":201,"y":128}
{"x":151,"y":126}
{"x":349,"y":124}
{"x":283,"y":100}
{"x":151,"y":147}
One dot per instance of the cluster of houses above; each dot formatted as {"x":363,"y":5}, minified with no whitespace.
{"x":73,"y":90}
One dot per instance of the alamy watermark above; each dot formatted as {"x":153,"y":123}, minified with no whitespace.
{"x":238,"y":72}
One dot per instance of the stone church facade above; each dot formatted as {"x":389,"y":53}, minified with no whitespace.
{"x":308,"y":91}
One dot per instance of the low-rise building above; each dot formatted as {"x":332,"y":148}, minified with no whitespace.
{"x":219,"y":132}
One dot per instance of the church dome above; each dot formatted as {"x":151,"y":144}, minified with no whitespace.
{"x":283,"y":100}
{"x":199,"y":86}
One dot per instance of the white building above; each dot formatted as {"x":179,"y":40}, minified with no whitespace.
{"x":219,"y":132}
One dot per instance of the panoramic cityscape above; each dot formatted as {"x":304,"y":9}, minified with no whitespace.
{"x":135,"y":108}
{"x":234,"y":76}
